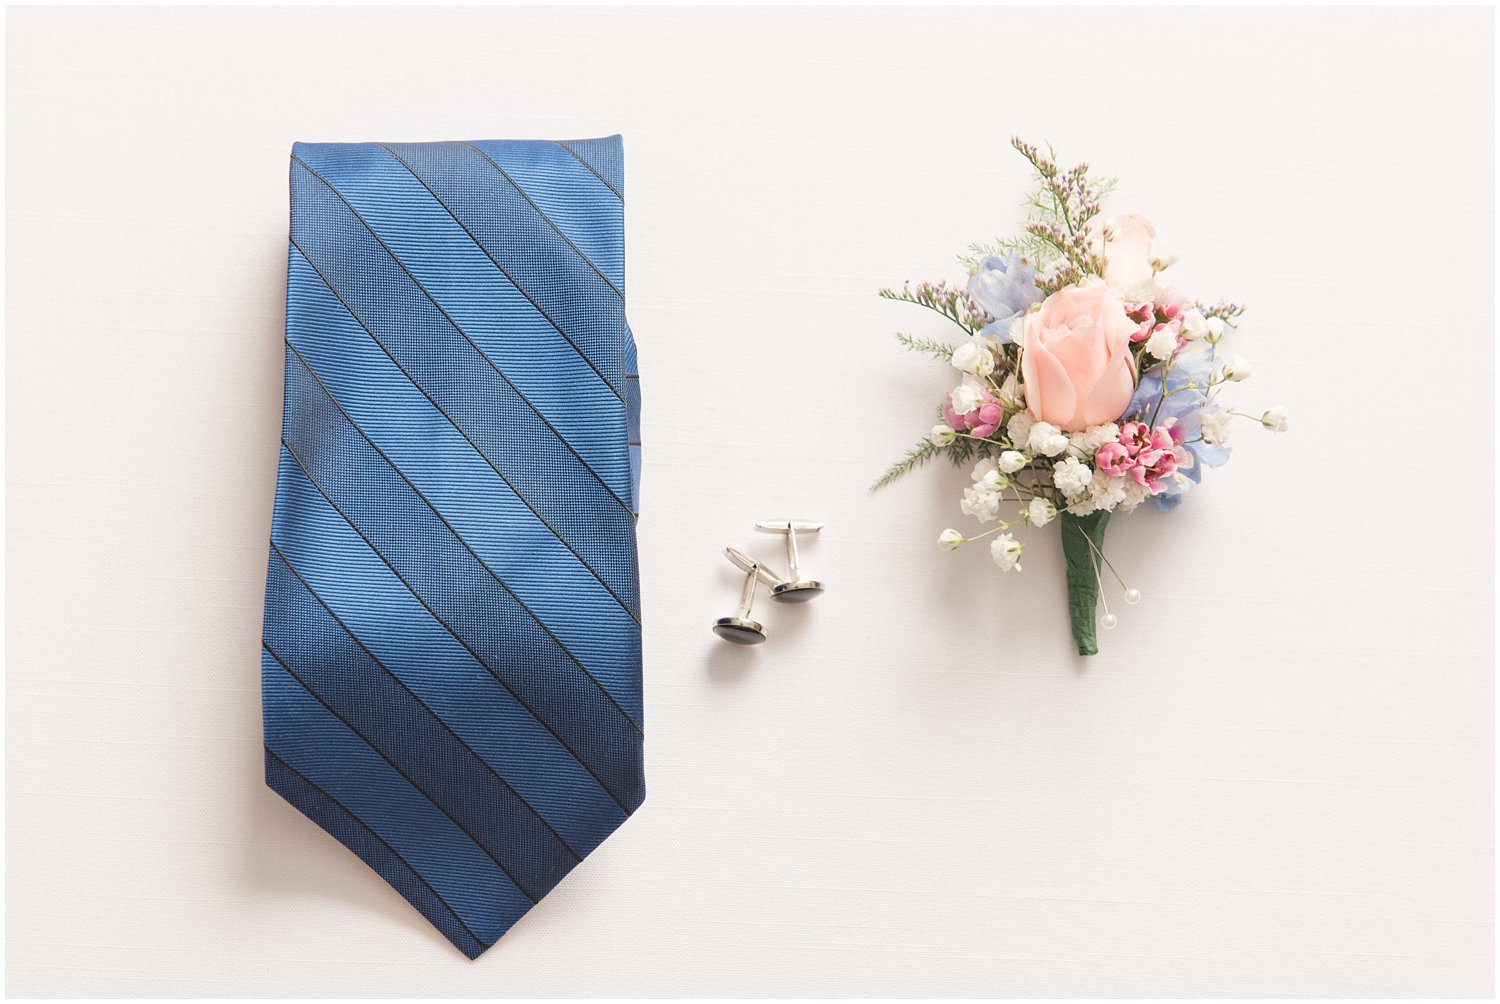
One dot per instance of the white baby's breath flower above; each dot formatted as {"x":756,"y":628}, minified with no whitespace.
{"x":974,"y":358}
{"x":1106,"y":492}
{"x":1163,"y":342}
{"x":1194,"y":325}
{"x":1011,"y":461}
{"x":1046,"y":439}
{"x":1277,"y":419}
{"x":950,"y":539}
{"x":1072,"y":478}
{"x":983,"y":506}
{"x":1160,"y":254}
{"x":1006,"y":550}
{"x":1237,"y":369}
{"x":942,"y":435}
{"x":965,"y":398}
{"x":1019,"y":427}
{"x":1134,"y":495}
{"x":1088,"y":441}
{"x":1040,"y":512}
{"x":1083,"y":506}
{"x":982,"y":499}
{"x":986,"y":474}
{"x":1216,"y":428}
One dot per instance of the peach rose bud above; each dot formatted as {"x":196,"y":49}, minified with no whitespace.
{"x":1076,"y":359}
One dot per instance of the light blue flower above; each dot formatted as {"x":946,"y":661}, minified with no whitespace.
{"x":1188,"y":398}
{"x":1005,"y":288}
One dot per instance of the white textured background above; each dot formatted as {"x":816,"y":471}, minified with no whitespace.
{"x":1276,"y":780}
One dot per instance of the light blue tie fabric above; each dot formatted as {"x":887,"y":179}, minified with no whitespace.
{"x":452,"y":650}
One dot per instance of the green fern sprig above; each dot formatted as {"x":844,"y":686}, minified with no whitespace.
{"x":915,"y":457}
{"x":931,"y":346}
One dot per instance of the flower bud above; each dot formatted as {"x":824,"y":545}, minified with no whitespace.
{"x":1237,"y":369}
{"x":1011,"y":461}
{"x":1276,"y":419}
{"x":1160,"y":255}
{"x":950,"y":539}
{"x":942,"y":435}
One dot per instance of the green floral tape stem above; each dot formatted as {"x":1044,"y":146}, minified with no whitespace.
{"x":1083,"y":547}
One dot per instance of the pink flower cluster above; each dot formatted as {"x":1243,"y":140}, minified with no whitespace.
{"x":1148,"y":456}
{"x":981,"y":420}
{"x":1151,"y":316}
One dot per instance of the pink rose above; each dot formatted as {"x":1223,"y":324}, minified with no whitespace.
{"x":1127,"y":261}
{"x":1076,"y":359}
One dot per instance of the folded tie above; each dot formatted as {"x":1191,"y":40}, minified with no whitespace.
{"x":452,"y":648}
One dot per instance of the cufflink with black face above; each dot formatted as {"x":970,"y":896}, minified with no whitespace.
{"x":742,"y":629}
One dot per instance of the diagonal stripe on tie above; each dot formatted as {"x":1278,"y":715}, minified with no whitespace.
{"x":549,"y":176}
{"x":517,"y":547}
{"x":510,"y":230}
{"x":391,"y":622}
{"x":451,"y":655}
{"x":446,"y":262}
{"x":431,"y":315}
{"x":337,"y":819}
{"x":603,"y":158}
{"x":559,"y":488}
{"x":478,"y":609}
{"x":542,"y":214}
{"x":317,"y":650}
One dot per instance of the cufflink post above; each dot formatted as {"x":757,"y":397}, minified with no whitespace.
{"x":794,"y":589}
{"x":741,"y":629}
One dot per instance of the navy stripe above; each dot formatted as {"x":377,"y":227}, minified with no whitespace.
{"x":584,"y":337}
{"x":316,"y":648}
{"x":548,"y":220}
{"x":570,"y":293}
{"x":515,"y":420}
{"x":347,"y":828}
{"x":506,"y":327}
{"x":391,"y":622}
{"x":412,"y":538}
{"x":467,"y":390}
{"x":479,"y":507}
{"x":604,"y":157}
{"x":554,"y":180}
{"x":426,"y":514}
{"x":313,"y":739}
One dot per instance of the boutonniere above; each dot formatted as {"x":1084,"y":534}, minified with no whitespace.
{"x":1090,"y":384}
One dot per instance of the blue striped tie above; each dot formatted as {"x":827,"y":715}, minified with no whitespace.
{"x":452,"y":647}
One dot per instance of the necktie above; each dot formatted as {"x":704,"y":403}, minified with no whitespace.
{"x":451,"y":653}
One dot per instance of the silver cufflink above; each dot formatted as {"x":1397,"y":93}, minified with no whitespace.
{"x":793,"y":589}
{"x":741,"y":629}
